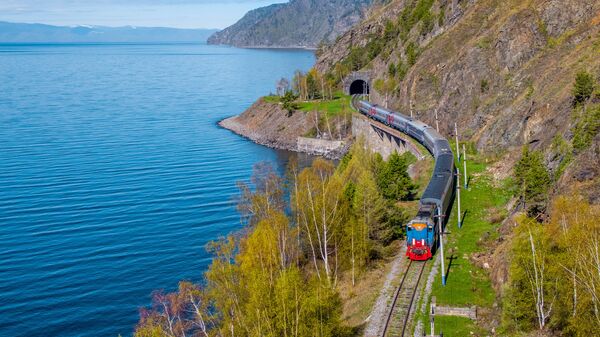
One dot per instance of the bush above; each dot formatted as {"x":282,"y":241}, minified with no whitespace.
{"x":392,"y":70}
{"x":393,"y":179}
{"x":288,"y":101}
{"x":583,"y":87}
{"x":587,"y":128}
{"x":533,"y":180}
{"x":411,"y":53}
{"x":484,"y":86}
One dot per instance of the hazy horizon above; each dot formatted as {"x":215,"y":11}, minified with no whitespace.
{"x":182,"y":14}
{"x":106,"y":26}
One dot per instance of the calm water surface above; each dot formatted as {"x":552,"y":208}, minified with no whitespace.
{"x":114,"y":175}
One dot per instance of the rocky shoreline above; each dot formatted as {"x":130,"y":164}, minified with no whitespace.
{"x":268,"y":124}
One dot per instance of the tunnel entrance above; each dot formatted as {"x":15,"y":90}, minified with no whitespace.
{"x":359,"y":87}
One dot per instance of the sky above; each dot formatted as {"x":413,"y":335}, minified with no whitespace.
{"x":153,"y":13}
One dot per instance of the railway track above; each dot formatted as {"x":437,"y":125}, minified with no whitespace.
{"x":396,"y":324}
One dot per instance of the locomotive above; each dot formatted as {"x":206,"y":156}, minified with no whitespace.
{"x":424,"y":231}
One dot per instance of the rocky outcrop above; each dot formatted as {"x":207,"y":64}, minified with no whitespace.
{"x":502,"y":69}
{"x":269,"y":124}
{"x":296,"y":24}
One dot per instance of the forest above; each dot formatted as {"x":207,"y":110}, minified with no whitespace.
{"x":303,"y":232}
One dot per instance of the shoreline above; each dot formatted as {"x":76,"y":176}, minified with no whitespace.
{"x":266,"y":47}
{"x":267,"y":124}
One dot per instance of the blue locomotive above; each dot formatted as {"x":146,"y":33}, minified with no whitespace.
{"x":423,"y":232}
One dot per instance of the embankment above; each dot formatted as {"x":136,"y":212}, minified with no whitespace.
{"x":267,"y":123}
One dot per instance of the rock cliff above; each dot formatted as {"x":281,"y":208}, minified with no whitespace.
{"x":298,"y":23}
{"x":503,"y":70}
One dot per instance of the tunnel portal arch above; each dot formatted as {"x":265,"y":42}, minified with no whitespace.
{"x":357,"y":83}
{"x":359,"y":87}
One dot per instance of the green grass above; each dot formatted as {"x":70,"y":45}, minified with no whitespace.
{"x":340,"y":104}
{"x":468,"y":284}
{"x":271,"y":99}
{"x":456,"y":326}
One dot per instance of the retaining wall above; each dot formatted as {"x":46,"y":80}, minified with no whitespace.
{"x":382,"y":139}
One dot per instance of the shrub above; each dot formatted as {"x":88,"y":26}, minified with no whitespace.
{"x":484,"y":85}
{"x":411,"y":53}
{"x":288,"y":102}
{"x":393,"y":179}
{"x":533,"y":180}
{"x":583,"y":87}
{"x":392,"y":70}
{"x":587,"y":128}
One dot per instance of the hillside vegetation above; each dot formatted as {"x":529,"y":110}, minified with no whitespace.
{"x":502,"y":69}
{"x":522,"y":80}
{"x":308,"y":241}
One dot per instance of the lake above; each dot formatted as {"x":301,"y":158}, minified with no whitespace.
{"x":114,"y":174}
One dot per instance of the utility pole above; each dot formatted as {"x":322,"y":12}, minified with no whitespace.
{"x":465,"y":166}
{"x":458,"y":195}
{"x":432,"y":316}
{"x":441,"y":229}
{"x":411,"y":108}
{"x":437,"y":124}
{"x":456,"y":134}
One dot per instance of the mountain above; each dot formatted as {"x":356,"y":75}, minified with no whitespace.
{"x":298,"y":23}
{"x":503,"y":70}
{"x":40,"y":33}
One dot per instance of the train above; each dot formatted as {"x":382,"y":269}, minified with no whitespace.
{"x":423,"y":231}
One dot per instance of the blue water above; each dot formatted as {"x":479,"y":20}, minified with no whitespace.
{"x":114,"y":175}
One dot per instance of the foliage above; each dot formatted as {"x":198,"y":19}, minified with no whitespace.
{"x":554,"y":276}
{"x":279,"y":276}
{"x":587,"y":127}
{"x":288,"y":101}
{"x":313,"y":85}
{"x":393,"y":179}
{"x":533,"y":281}
{"x":412,"y":53}
{"x":583,"y":87}
{"x":175,"y":314}
{"x":415,"y":12}
{"x":484,"y":86}
{"x":533,"y":181}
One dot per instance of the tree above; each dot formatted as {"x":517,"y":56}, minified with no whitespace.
{"x":587,"y":127}
{"x":289,"y":102}
{"x":393,"y":179}
{"x":583,"y":87}
{"x":533,"y":180}
{"x":575,"y":229}
{"x":321,"y":217}
{"x":283,"y":86}
{"x":278,"y":275}
{"x":180,"y":313}
{"x":386,"y":87}
{"x":533,"y":277}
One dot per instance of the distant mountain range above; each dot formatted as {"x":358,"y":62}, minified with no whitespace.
{"x":298,"y":23}
{"x":40,"y":33}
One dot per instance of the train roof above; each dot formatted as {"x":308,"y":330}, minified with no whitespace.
{"x":419,"y":124}
{"x":436,"y":189}
{"x":442,"y":145}
{"x":444,"y":163}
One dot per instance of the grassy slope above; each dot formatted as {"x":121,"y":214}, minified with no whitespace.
{"x":468,"y":284}
{"x":339,"y":104}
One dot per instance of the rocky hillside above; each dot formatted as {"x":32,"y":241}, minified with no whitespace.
{"x":298,"y":23}
{"x":504,"y":70}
